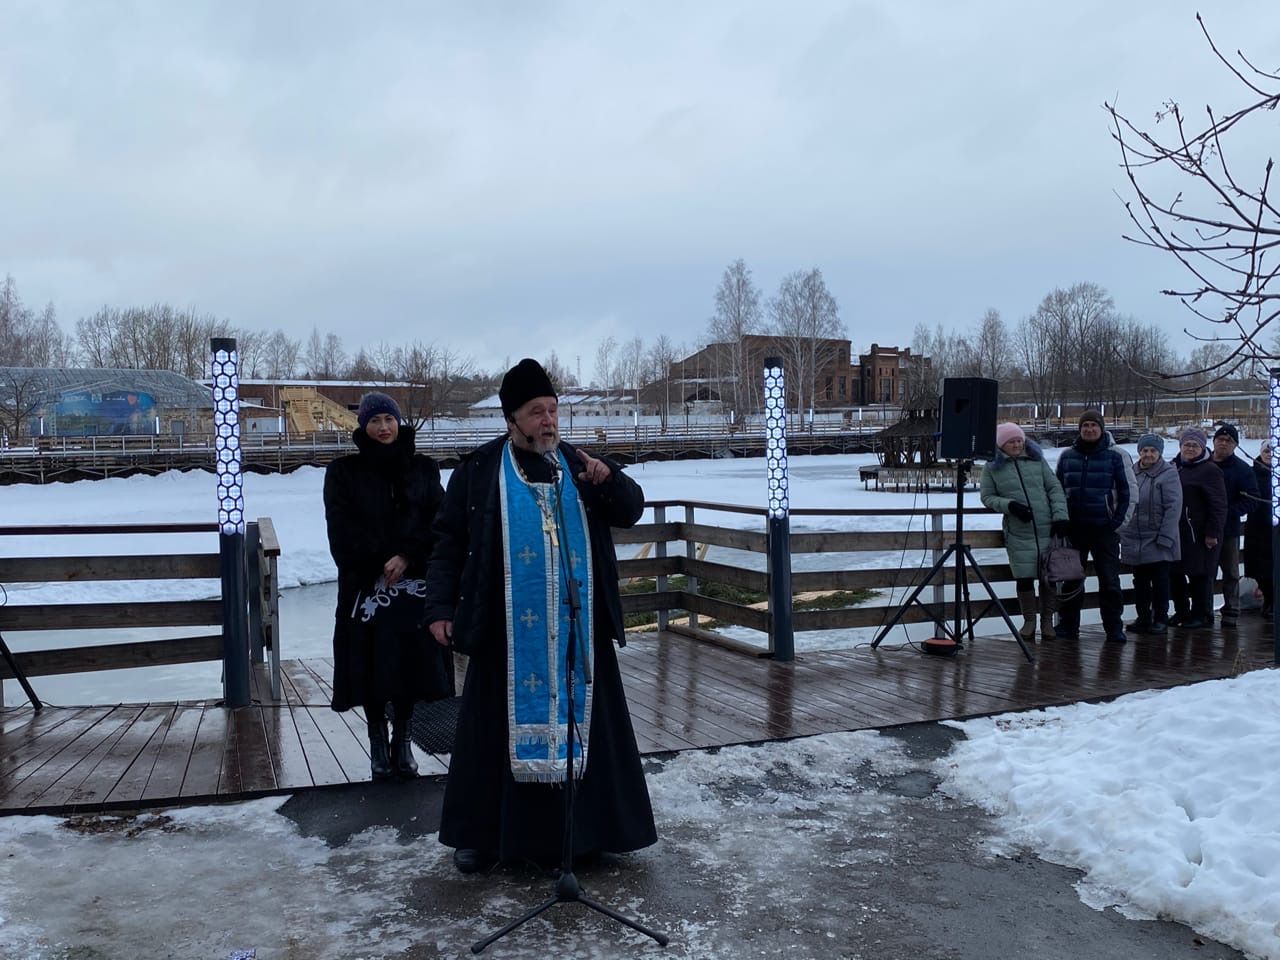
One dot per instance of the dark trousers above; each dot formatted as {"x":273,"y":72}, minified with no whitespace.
{"x":1104,"y":546}
{"x":1193,"y":596}
{"x":1229,"y":564}
{"x":1151,"y":591}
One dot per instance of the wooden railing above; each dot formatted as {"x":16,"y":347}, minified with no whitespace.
{"x":263,"y":588}
{"x":922,"y":534}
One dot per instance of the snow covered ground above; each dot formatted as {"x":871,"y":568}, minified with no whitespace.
{"x":1165,"y":800}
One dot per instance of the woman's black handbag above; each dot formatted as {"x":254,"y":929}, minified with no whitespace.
{"x":1060,"y":563}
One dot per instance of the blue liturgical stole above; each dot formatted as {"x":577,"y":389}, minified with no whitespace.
{"x":538,"y":634}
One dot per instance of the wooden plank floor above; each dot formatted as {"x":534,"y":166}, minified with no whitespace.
{"x":682,"y":695}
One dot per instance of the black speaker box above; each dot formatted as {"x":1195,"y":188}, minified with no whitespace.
{"x":968,"y":418}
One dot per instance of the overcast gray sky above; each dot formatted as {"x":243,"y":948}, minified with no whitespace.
{"x":511,"y":178}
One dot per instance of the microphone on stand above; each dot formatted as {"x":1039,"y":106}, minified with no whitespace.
{"x":553,"y":461}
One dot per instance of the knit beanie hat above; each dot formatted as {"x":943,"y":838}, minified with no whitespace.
{"x":374,"y":403}
{"x":1227,"y":430}
{"x":1151,"y":440}
{"x":522,"y":383}
{"x":1092,"y":415}
{"x":1008,"y":431}
{"x":1193,"y":433}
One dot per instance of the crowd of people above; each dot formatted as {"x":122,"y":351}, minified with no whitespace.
{"x":1175,"y":524}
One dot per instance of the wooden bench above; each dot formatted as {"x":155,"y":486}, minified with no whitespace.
{"x":263,"y":590}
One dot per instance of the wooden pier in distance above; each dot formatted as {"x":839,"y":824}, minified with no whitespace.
{"x":682,"y":695}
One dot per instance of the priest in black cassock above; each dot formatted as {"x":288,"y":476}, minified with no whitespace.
{"x":494,"y":591}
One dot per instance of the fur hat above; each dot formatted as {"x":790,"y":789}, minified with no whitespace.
{"x":1195,"y":434}
{"x":1008,"y":431}
{"x":1227,"y":430}
{"x":374,"y":403}
{"x":522,"y":383}
{"x":1094,"y":416}
{"x":1151,"y":440}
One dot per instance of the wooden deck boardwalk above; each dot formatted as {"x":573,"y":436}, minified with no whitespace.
{"x":683,"y":695}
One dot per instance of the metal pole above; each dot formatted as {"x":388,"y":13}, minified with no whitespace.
{"x":231,"y":524}
{"x":782,"y":634}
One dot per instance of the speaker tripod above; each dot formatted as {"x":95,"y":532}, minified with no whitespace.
{"x":18,"y":674}
{"x":962,"y":556}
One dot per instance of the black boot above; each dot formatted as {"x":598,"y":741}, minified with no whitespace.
{"x":379,"y":755}
{"x":402,"y":750}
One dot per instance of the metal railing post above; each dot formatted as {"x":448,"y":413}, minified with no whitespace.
{"x":253,"y":564}
{"x":691,"y":552}
{"x":660,"y":551}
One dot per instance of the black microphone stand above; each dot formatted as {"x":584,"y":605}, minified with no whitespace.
{"x":567,"y":889}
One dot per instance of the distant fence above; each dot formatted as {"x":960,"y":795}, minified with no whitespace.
{"x":264,"y":611}
{"x":921,"y":534}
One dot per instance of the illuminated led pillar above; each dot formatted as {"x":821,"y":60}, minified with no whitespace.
{"x":782,"y":636}
{"x":1274,"y":436}
{"x":235,"y":607}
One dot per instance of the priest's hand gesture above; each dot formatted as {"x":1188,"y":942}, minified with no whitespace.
{"x":594,"y":471}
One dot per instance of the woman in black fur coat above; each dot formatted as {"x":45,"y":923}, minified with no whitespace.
{"x":380,"y":504}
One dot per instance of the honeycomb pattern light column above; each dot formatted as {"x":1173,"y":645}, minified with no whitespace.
{"x":1274,"y":436}
{"x":781,"y":633}
{"x":231,"y":525}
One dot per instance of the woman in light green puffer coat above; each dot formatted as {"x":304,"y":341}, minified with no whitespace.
{"x":1019,"y":484}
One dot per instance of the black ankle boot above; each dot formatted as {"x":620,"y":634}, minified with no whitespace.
{"x":379,"y":755}
{"x":402,"y":751}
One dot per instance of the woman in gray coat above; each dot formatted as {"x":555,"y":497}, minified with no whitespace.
{"x":1149,"y":541}
{"x":1019,"y":484}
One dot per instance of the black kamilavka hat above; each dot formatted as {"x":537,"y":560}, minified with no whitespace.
{"x":522,"y":383}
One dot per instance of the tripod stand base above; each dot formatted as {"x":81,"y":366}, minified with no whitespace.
{"x":941,"y":646}
{"x":568,"y":890}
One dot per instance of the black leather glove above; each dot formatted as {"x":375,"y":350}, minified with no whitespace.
{"x":1020,"y":510}
{"x":1060,"y":528}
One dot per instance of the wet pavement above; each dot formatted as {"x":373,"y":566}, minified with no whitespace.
{"x":786,"y":857}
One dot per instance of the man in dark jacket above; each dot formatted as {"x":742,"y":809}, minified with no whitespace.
{"x":1242,"y":493}
{"x":519,"y":511}
{"x":1094,"y":478}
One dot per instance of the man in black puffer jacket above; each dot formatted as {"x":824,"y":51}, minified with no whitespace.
{"x":1242,"y":494}
{"x":1094,"y":478}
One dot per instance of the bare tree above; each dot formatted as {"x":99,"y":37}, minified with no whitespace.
{"x":364,"y":369}
{"x":738,"y":314}
{"x":450,"y":375}
{"x":28,"y":339}
{"x":158,"y":337}
{"x":990,"y":352}
{"x":1193,"y":203}
{"x":661,"y":356}
{"x":324,"y":357}
{"x":280,"y":356}
{"x":22,"y":394}
{"x":605,"y":372}
{"x":560,"y":375}
{"x":631,"y":364}
{"x":806,"y":319}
